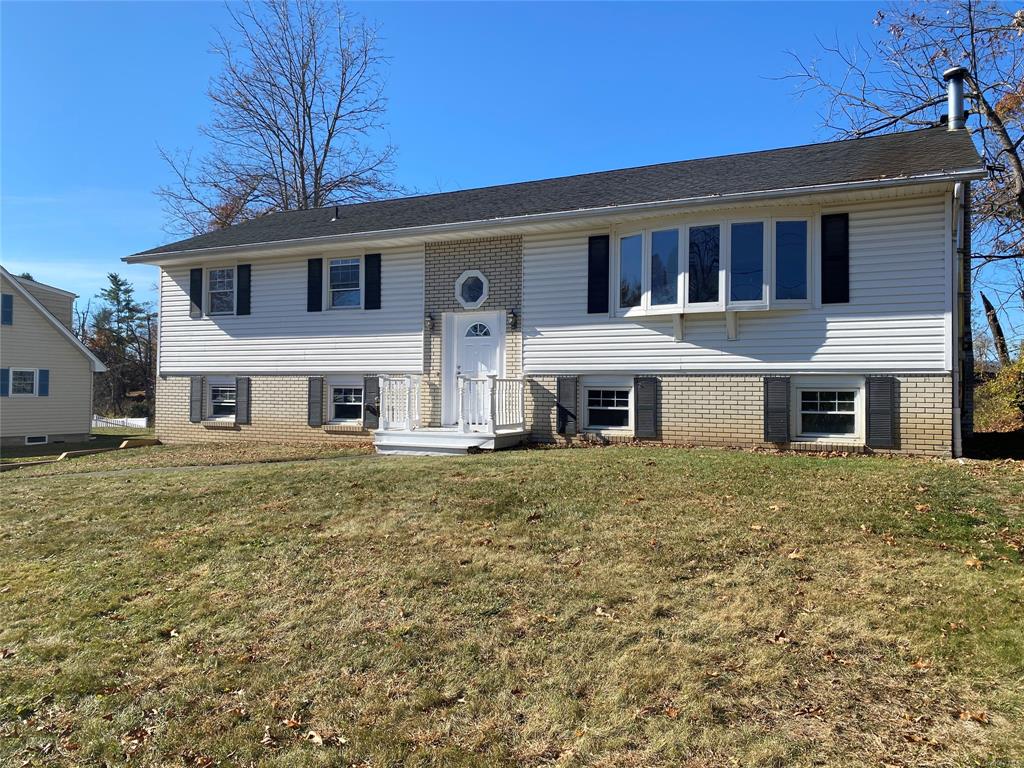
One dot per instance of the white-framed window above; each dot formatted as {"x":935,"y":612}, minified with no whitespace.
{"x":713,"y":265}
{"x":345,"y":283}
{"x":607,"y":404}
{"x":24,"y":382}
{"x":828,"y":409}
{"x":346,"y":404}
{"x":220,"y":291}
{"x":704,"y":268}
{"x":221,"y":398}
{"x":748,"y":264}
{"x":471,"y":289}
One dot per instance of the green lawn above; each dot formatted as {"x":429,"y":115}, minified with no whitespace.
{"x":612,"y":607}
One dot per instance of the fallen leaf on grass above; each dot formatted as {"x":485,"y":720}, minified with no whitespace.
{"x":781,"y":638}
{"x":599,"y":611}
{"x":291,"y":722}
{"x":268,"y":740}
{"x":921,"y":664}
{"x":923,"y":508}
{"x":796,"y":554}
{"x":672,"y":713}
{"x":977,"y":716}
{"x":756,"y":527}
{"x":6,"y":653}
{"x":315,"y":737}
{"x":973,"y":562}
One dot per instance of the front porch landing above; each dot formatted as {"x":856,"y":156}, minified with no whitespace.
{"x":444,"y":441}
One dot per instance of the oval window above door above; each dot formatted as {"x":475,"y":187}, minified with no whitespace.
{"x":478,"y":329}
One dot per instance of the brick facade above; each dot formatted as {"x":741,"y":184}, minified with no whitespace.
{"x":729,"y":411}
{"x":500,"y":259}
{"x":278,"y":413}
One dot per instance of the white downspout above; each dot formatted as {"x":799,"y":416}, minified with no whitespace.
{"x":958,"y":195}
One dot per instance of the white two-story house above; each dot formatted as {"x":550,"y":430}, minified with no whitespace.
{"x":807,"y":297}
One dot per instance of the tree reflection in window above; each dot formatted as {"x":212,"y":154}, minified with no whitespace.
{"x":703,"y":268}
{"x":630,"y":270}
{"x":477,"y":330}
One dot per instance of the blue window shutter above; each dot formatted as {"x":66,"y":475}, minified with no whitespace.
{"x":44,"y":382}
{"x":5,"y":382}
{"x":7,"y":311}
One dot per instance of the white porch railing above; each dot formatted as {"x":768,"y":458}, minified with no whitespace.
{"x":400,"y":402}
{"x":489,"y":404}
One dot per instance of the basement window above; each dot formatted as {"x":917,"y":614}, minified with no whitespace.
{"x":346,"y":404}
{"x":222,"y":399}
{"x":37,"y":439}
{"x":607,"y":408}
{"x":828,"y":413}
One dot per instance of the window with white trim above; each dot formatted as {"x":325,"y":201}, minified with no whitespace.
{"x":37,"y":439}
{"x":24,"y":381}
{"x":345,"y":283}
{"x":220,"y":291}
{"x":472,"y":289}
{"x":221,"y":398}
{"x":828,"y":413}
{"x":712,"y":266}
{"x":607,"y":407}
{"x":346,"y":404}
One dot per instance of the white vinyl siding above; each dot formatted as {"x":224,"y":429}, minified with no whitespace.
{"x":280,"y":336}
{"x":896,"y":318}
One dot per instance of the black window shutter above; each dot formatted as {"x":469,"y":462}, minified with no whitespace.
{"x":5,"y":382}
{"x":316,"y":401}
{"x":195,"y":292}
{"x":835,"y":258}
{"x":243,"y":301}
{"x":371,"y":263}
{"x":881,"y":410}
{"x":315,"y":285}
{"x":195,"y":400}
{"x":243,"y":402}
{"x":645,"y":406}
{"x":776,"y":409}
{"x":44,"y":382}
{"x":371,"y":402}
{"x":566,"y":421}
{"x":597,"y":275}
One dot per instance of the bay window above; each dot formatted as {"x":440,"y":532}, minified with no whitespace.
{"x":704,"y":264}
{"x":792,"y":256}
{"x":712,"y":266}
{"x":665,"y":266}
{"x":746,"y":262}
{"x":631,"y":265}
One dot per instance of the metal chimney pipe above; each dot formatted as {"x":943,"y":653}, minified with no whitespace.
{"x":954,"y":78}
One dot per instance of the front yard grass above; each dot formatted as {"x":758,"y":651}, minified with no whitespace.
{"x":613,"y":607}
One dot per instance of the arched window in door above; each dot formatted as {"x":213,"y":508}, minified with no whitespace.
{"x":477,"y":330}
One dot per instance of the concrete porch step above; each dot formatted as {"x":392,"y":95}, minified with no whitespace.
{"x":443,"y":442}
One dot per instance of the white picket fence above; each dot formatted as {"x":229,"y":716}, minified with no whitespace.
{"x":103,"y":421}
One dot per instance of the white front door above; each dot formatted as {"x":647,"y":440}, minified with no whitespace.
{"x":476,"y":341}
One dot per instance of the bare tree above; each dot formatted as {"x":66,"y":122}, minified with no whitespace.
{"x":894,"y":81}
{"x":297,"y":118}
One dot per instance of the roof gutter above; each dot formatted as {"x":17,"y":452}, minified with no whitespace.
{"x":269,"y":248}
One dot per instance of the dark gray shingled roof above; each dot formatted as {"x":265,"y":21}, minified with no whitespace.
{"x":927,"y":151}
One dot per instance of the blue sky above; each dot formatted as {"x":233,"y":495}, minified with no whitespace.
{"x":479,"y":94}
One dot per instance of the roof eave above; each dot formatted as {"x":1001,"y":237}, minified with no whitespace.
{"x":965,"y":174}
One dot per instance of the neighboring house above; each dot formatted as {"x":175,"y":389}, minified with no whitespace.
{"x":45,"y":371}
{"x":811,"y":297}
